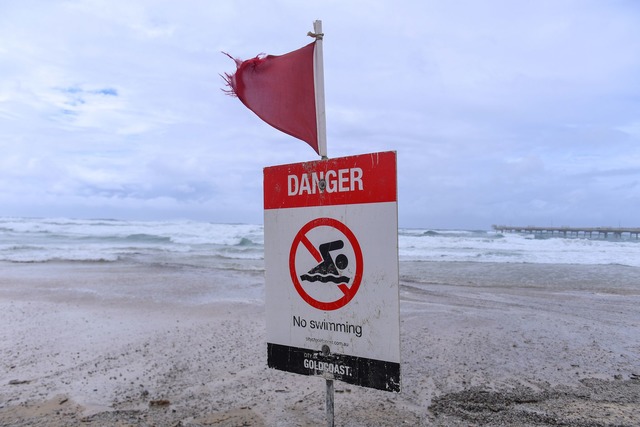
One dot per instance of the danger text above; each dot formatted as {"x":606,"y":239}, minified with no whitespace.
{"x":330,"y":181}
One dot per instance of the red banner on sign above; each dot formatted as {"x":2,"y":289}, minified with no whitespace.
{"x":367,"y":178}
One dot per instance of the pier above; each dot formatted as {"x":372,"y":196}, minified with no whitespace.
{"x":616,"y":232}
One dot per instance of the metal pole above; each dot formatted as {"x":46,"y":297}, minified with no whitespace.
{"x":330,"y":403}
{"x":329,"y":377}
{"x":318,"y":76}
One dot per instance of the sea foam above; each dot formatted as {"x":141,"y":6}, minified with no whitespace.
{"x":50,"y":239}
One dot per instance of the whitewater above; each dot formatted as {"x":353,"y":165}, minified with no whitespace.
{"x":108,"y":240}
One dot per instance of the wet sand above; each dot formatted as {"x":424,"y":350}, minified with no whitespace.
{"x":163,"y":344}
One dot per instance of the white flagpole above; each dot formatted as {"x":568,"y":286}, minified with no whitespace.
{"x":318,"y":79}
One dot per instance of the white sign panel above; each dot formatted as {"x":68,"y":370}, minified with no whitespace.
{"x":331,"y":260}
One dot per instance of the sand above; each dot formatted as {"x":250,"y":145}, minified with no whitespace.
{"x":119,"y":344}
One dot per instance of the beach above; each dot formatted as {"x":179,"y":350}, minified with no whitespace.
{"x":175,"y":344}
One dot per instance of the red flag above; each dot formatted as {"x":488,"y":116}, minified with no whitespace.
{"x":280,"y":90}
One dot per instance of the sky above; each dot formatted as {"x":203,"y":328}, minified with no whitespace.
{"x":501,"y":112}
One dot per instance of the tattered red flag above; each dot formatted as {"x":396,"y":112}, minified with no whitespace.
{"x":280,"y":90}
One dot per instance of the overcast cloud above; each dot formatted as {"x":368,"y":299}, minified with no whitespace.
{"x":512,"y":112}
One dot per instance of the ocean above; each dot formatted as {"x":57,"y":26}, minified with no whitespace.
{"x":37,"y":240}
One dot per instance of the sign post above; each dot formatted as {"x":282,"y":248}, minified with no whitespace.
{"x":331,"y":270}
{"x":331,"y":235}
{"x":318,"y":84}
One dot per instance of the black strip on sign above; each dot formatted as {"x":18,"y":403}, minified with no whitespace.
{"x":359,"y":371}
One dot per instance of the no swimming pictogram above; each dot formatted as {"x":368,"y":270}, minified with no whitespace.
{"x":326,"y":264}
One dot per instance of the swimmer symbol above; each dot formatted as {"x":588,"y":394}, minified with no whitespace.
{"x":329,"y":270}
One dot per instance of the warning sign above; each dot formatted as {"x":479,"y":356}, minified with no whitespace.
{"x":334,"y":280}
{"x":331,"y":269}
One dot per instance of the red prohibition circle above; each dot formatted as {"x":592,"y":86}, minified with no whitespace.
{"x":349,"y":292}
